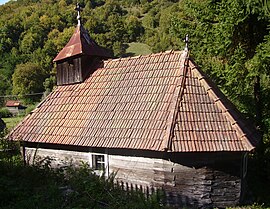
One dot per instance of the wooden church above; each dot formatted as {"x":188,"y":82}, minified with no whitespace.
{"x":155,"y":120}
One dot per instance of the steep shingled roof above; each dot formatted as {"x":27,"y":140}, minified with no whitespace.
{"x":81,"y":43}
{"x":156,"y":102}
{"x":207,"y":121}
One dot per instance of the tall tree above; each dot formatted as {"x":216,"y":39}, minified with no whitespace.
{"x":27,"y":80}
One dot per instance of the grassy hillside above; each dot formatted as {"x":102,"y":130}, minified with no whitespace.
{"x":12,"y":121}
{"x":135,"y":49}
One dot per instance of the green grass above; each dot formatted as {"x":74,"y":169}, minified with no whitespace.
{"x":135,"y":49}
{"x":12,"y":122}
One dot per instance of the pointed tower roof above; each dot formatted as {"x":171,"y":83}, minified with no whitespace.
{"x":81,"y":43}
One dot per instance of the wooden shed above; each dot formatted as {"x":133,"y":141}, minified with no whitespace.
{"x":156,"y":120}
{"x":15,"y":107}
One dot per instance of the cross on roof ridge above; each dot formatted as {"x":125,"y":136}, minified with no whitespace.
{"x":187,"y":42}
{"x":78,"y":8}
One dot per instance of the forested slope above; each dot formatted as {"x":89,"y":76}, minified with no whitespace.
{"x":229,"y":39}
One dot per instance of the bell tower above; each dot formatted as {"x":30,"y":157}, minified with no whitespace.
{"x":74,"y":61}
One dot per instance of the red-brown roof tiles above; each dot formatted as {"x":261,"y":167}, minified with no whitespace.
{"x":13,"y":103}
{"x":155,"y":102}
{"x":207,"y":119}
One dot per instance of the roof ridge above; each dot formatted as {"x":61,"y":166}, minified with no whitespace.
{"x":168,"y":51}
{"x":175,"y":101}
{"x":225,"y":105}
{"x":143,"y":56}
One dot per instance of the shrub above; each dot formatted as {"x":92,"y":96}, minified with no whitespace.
{"x":5,"y":113}
{"x":29,"y":109}
{"x":2,"y":125}
{"x":35,"y":187}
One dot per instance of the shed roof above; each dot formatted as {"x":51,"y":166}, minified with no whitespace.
{"x":156,"y":102}
{"x":81,"y":43}
{"x":13,"y":103}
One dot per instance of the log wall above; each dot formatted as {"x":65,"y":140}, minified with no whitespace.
{"x":202,"y":187}
{"x":56,"y":158}
{"x":191,"y":184}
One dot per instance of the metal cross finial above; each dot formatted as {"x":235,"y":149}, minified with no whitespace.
{"x":187,"y":42}
{"x":78,"y":9}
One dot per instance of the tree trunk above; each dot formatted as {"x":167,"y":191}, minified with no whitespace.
{"x":258,"y":111}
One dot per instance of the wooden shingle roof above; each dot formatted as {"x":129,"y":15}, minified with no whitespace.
{"x":156,"y":102}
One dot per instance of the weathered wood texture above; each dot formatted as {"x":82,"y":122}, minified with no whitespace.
{"x":217,"y":184}
{"x":56,"y":158}
{"x":203,"y":187}
{"x":69,"y":72}
{"x":16,"y":110}
{"x":74,"y":70}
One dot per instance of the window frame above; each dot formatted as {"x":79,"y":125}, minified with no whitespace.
{"x":104,"y":164}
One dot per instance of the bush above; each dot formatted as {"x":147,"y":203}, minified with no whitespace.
{"x":34,"y":187}
{"x":2,"y":125}
{"x":9,"y":152}
{"x":30,"y":108}
{"x":5,"y":113}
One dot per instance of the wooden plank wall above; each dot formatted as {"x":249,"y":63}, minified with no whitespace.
{"x":183,"y":186}
{"x":226,"y":189}
{"x":69,"y":72}
{"x":200,"y":187}
{"x":203,"y":187}
{"x":57,"y":158}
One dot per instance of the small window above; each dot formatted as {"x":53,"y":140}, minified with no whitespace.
{"x":98,"y":162}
